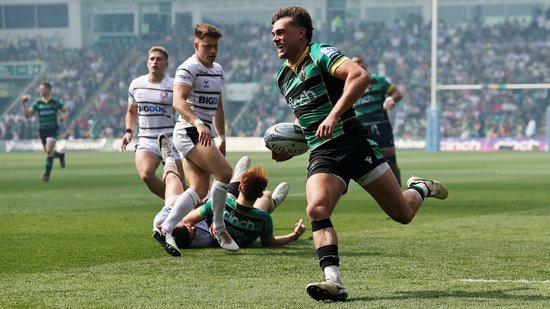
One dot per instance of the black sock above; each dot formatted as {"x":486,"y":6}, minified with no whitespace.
{"x":328,"y":255}
{"x":49,"y":165}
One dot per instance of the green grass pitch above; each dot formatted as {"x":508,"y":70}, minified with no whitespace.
{"x":83,"y":240}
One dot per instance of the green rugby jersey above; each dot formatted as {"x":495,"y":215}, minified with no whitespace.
{"x":47,"y":112}
{"x":244,"y":224}
{"x":311,"y":90}
{"x":370,"y":107}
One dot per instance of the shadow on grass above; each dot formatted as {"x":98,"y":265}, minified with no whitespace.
{"x":303,"y":251}
{"x":503,"y":294}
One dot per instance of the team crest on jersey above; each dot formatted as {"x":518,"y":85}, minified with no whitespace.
{"x":330,"y":51}
{"x":163,"y":96}
{"x":302,"y":74}
{"x":206,"y":83}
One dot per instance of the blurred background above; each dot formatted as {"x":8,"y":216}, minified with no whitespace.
{"x":91,"y":50}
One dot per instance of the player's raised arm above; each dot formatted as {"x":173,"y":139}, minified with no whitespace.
{"x":27,"y":112}
{"x":219,"y":124}
{"x":356,"y":81}
{"x":181,"y":95}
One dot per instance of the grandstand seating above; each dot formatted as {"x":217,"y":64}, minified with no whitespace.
{"x":469,"y":52}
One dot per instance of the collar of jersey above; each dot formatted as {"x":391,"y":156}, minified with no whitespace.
{"x":46,"y":101}
{"x":294,"y":67}
{"x":242,"y":207}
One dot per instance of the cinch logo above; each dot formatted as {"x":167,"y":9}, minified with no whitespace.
{"x":47,"y":112}
{"x":208,"y":100}
{"x":152,"y":108}
{"x":233,"y":220}
{"x":305,"y":97}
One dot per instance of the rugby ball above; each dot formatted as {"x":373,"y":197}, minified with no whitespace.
{"x":286,"y":137}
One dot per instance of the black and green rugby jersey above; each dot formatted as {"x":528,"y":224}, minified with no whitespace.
{"x":244,"y":224}
{"x":311,"y":90}
{"x":370,"y":107}
{"x":47,"y":112}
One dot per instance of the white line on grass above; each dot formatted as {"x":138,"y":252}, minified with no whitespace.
{"x":505,"y":281}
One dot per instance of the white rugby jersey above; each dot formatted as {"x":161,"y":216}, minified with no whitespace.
{"x":154,"y":102}
{"x":206,"y":89}
{"x":203,"y":238}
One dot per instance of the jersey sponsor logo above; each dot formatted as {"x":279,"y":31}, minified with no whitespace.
{"x":330,"y":51}
{"x":208,"y":100}
{"x":46,"y":112}
{"x":304,"y":97}
{"x":230,"y":217}
{"x":369,"y":98}
{"x":152,"y":108}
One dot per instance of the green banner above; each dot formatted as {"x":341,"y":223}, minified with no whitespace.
{"x":10,"y":70}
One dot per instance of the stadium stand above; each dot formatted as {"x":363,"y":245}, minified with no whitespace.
{"x":469,"y":53}
{"x":75,"y":75}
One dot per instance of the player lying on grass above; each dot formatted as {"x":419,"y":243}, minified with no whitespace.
{"x":246,"y":215}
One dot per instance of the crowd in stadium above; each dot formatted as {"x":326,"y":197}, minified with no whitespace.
{"x":469,"y":53}
{"x":75,"y":75}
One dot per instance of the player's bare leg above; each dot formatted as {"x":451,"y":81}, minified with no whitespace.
{"x":48,"y":149}
{"x":323,"y":191}
{"x":389,"y":155}
{"x":211,"y":160}
{"x":173,"y":191}
{"x":146,"y":165}
{"x":403,"y":206}
{"x":265,"y":202}
{"x":199,"y":177}
{"x":179,"y":165}
{"x":271,"y":200}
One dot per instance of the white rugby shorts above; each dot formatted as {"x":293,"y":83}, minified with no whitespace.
{"x":185,"y":139}
{"x":151,"y":145}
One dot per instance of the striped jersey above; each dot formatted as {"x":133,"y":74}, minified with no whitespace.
{"x":244,"y":224}
{"x":154,"y":103}
{"x":370,"y":107}
{"x":206,"y":88}
{"x":311,"y":90}
{"x":47,"y":112}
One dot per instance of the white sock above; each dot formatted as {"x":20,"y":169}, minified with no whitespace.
{"x":170,"y":161}
{"x":332,"y":272}
{"x":161,"y":216}
{"x":219,"y":194}
{"x":183,"y":205}
{"x":424,"y":188}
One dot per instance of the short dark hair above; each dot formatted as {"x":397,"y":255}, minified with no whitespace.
{"x":181,"y":234}
{"x":299,"y":16}
{"x":207,"y":30}
{"x":253,"y":183}
{"x":47,"y":85}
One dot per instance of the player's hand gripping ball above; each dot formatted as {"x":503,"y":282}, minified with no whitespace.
{"x":286,"y":137}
